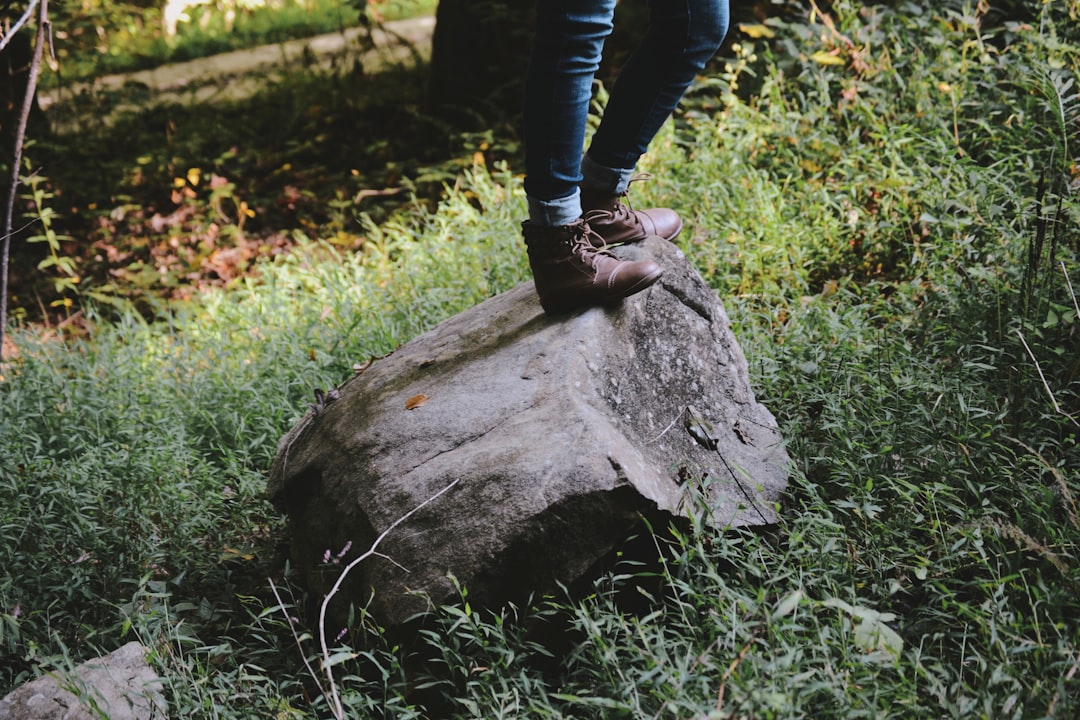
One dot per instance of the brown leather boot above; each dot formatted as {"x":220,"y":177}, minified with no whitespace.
{"x":572,"y":269}
{"x":612,"y":218}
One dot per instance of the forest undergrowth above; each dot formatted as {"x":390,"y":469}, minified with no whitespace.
{"x":886,"y":199}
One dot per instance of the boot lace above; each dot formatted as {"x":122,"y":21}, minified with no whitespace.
{"x":639,"y":177}
{"x":623,"y":210}
{"x":585,"y":243}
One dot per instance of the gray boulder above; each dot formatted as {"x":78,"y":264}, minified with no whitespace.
{"x":562,"y":433}
{"x":118,"y":686}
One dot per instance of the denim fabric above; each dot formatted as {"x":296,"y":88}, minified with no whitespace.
{"x":569,"y":42}
{"x":601,"y":177}
{"x":553,"y":213}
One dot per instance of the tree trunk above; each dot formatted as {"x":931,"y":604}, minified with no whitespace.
{"x":479,"y":54}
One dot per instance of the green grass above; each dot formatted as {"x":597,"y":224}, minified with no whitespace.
{"x":896,"y":239}
{"x":101,"y":41}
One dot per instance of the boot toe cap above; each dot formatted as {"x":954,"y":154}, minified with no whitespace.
{"x":665,"y":223}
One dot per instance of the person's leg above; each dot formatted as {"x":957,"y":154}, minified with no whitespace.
{"x":566,"y":53}
{"x":682,"y":36}
{"x":569,"y":266}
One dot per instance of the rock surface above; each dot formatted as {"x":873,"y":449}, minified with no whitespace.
{"x":561,"y":432}
{"x":118,"y":686}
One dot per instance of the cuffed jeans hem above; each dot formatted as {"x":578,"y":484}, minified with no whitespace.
{"x":555,"y":213}
{"x":604,"y":179}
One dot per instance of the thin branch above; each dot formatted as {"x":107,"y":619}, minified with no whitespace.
{"x":731,"y":669}
{"x":742,"y":488}
{"x":1072,"y":293}
{"x":296,"y":637}
{"x":24,"y":226}
{"x":18,"y":24}
{"x":665,"y":430}
{"x":20,"y":137}
{"x":332,"y":695}
{"x":1063,"y":487}
{"x":828,"y":21}
{"x":1057,"y":695}
{"x":1038,"y":369}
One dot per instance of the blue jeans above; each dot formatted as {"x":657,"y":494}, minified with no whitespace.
{"x":682,"y":36}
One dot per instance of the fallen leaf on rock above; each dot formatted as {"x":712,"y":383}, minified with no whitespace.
{"x":416,"y":401}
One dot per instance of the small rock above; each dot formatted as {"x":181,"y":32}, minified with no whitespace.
{"x":118,"y":686}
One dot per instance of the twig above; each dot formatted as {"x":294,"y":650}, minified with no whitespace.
{"x":378,"y":193}
{"x":20,"y":137}
{"x":1057,"y":696}
{"x":329,"y":690}
{"x":665,"y":430}
{"x":1038,"y":368}
{"x":18,"y":24}
{"x":1007,"y":529}
{"x":746,"y":493}
{"x":727,"y":674}
{"x":1076,"y":305}
{"x":702,"y":431}
{"x":1063,"y":487}
{"x":296,"y":637}
{"x":332,"y":694}
{"x":828,"y":21}
{"x":693,"y":667}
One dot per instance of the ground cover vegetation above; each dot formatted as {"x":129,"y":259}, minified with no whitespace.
{"x":886,"y":199}
{"x":98,"y":37}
